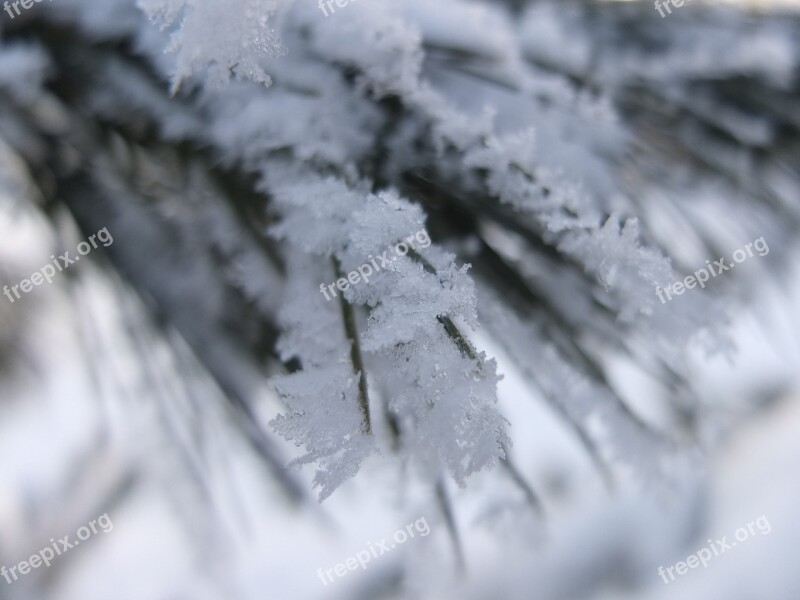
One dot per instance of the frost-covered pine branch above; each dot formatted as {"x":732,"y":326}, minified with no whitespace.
{"x":287,"y":149}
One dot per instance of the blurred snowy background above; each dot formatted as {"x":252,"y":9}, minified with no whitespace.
{"x":141,"y":382}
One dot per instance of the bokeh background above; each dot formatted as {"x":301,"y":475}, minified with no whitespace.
{"x":107,"y":406}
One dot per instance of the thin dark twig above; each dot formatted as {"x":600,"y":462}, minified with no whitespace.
{"x":351,"y":331}
{"x":450,"y":521}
